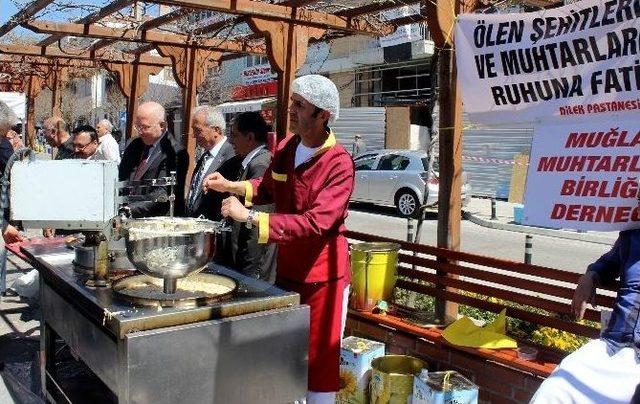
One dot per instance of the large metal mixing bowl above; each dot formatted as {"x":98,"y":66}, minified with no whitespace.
{"x":170,"y":248}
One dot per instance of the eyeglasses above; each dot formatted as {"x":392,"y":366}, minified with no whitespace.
{"x":144,"y":128}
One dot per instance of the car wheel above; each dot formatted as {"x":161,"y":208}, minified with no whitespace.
{"x":407,"y":203}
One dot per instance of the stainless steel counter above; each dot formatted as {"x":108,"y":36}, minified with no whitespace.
{"x":251,"y":348}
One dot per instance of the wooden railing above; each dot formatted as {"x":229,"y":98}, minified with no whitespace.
{"x":466,"y":279}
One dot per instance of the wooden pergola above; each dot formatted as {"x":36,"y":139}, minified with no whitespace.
{"x":281,"y":31}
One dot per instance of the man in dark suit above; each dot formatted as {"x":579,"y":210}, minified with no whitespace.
{"x":154,"y":154}
{"x":249,"y":138}
{"x":208,"y":126}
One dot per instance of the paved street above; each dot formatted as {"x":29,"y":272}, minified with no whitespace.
{"x":547,"y":251}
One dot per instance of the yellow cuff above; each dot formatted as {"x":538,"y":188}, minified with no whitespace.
{"x":248,"y":194}
{"x":263,"y":227}
{"x":279,"y":177}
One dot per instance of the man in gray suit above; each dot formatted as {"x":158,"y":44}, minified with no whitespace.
{"x":249,"y":138}
{"x":208,"y":128}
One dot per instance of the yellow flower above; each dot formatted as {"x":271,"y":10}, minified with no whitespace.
{"x":348,"y":384}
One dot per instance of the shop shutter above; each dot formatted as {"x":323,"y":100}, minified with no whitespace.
{"x":367,"y":121}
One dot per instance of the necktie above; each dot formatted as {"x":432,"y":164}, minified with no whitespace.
{"x":143,"y":162}
{"x":196,"y":183}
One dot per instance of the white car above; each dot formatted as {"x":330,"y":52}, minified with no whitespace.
{"x":399,"y":178}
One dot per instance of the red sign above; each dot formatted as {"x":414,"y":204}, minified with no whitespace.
{"x":260,"y":90}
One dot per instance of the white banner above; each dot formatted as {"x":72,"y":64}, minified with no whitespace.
{"x":577,"y":61}
{"x":584,"y":176}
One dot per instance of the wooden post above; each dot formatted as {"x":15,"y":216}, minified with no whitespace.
{"x":190,"y":70}
{"x":56,"y":99}
{"x":287,"y":50}
{"x":450,"y":139}
{"x":56,"y":79}
{"x":133,"y":80}
{"x":33,"y":89}
{"x":450,"y":132}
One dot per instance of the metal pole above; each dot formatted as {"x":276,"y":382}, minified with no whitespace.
{"x":528,"y":249}
{"x":411,"y":300}
{"x":493,"y":209}
{"x":410,"y":230}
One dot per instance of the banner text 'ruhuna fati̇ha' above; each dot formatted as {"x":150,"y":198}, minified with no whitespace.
{"x":577,"y":61}
{"x":584,"y":176}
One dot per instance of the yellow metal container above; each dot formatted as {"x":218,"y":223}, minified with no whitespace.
{"x":392,"y":378}
{"x":373,"y":273}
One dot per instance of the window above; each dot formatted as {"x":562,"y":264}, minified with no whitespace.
{"x":365,"y":162}
{"x":255,"y":60}
{"x":393,"y":162}
{"x":425,"y":163}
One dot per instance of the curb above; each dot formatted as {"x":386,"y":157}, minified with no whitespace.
{"x":541,"y":231}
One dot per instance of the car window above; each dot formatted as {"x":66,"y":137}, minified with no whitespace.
{"x":365,"y":162}
{"x":393,"y":162}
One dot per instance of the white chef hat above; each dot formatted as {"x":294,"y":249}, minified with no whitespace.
{"x":319,"y":91}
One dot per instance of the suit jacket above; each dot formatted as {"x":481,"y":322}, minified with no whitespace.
{"x":169,"y":156}
{"x":254,"y":260}
{"x":209,"y":204}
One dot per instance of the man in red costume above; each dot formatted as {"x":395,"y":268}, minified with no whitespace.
{"x":310,"y":180}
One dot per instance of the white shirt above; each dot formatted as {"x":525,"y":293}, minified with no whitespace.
{"x":304,"y":154}
{"x":108,"y":149}
{"x":214,"y":152}
{"x":250,"y":156}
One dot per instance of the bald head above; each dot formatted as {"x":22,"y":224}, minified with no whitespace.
{"x":55,"y":131}
{"x":150,"y":122}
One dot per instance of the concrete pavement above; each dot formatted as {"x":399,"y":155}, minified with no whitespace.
{"x":479,"y":211}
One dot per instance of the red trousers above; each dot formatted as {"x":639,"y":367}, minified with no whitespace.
{"x":325,"y":300}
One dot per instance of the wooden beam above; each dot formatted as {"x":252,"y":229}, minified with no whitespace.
{"x":105,"y":11}
{"x":450,"y":151}
{"x":23,"y":15}
{"x":371,"y":8}
{"x":44,"y":61}
{"x":147,"y":25}
{"x":239,"y":20}
{"x":33,"y":89}
{"x":136,"y":35}
{"x":116,"y":57}
{"x":276,"y":12}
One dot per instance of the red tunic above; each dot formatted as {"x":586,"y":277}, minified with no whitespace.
{"x":311,"y":204}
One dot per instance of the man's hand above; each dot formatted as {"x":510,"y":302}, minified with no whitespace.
{"x":49,"y":232}
{"x":231,"y":207}
{"x":215,"y":182}
{"x":12,"y":235}
{"x":584,"y":294}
